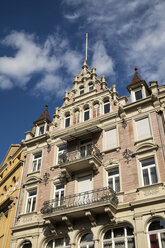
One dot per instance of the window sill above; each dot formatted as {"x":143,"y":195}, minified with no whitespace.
{"x":112,"y":150}
{"x":33,"y":173}
{"x":155,"y":185}
{"x":143,"y":140}
{"x":27,"y":214}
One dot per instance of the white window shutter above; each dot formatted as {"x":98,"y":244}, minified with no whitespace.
{"x":111,"y":138}
{"x":84,"y":184}
{"x":143,"y":129}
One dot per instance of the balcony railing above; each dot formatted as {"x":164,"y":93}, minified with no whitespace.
{"x":103,"y":195}
{"x":90,"y":150}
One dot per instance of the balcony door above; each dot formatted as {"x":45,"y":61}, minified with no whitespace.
{"x":84,"y":190}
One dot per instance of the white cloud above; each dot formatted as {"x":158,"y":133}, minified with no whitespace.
{"x":101,"y":60}
{"x":47,"y":60}
{"x":72,"y":16}
{"x":132,"y":30}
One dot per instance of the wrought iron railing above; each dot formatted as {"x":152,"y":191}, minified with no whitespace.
{"x":105,"y":194}
{"x":90,"y":150}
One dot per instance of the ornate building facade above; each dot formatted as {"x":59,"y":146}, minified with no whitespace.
{"x":94,"y":176}
{"x":10,"y":179}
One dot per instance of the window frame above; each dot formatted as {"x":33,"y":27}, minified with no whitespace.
{"x":105,"y":139}
{"x":38,"y":166}
{"x":157,"y":232}
{"x":67,"y":117}
{"x":31,"y":202}
{"x":59,"y":191}
{"x":54,"y":242}
{"x":81,"y":90}
{"x":113,"y":239}
{"x":113,"y":178}
{"x":106,"y":102}
{"x":137,"y":139}
{"x":148,"y":170}
{"x":86,"y":110}
{"x":90,"y":87}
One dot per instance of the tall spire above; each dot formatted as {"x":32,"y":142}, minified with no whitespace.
{"x":86,"y":48}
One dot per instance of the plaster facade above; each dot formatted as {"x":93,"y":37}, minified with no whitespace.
{"x":10,"y":174}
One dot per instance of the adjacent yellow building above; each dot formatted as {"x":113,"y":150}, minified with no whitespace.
{"x":10,"y":179}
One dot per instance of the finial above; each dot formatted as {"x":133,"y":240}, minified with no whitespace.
{"x":136,"y":69}
{"x":46,"y":106}
{"x":86,"y":48}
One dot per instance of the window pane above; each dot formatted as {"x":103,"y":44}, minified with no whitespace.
{"x":89,"y":149}
{"x":59,"y":242}
{"x":88,"y":237}
{"x":153,"y":175}
{"x":120,"y":244}
{"x":154,"y":241}
{"x":107,"y":235}
{"x":119,"y":232}
{"x":67,"y":121}
{"x":106,"y":107}
{"x":108,"y":245}
{"x":86,"y":115}
{"x":38,"y":155}
{"x":131,"y":243}
{"x":138,"y":95}
{"x":145,"y":177}
{"x":34,"y":204}
{"x":113,"y":172}
{"x":28,"y":206}
{"x":61,"y":186}
{"x":110,"y":183}
{"x":162,"y":235}
{"x":157,"y":225}
{"x":117,"y":184}
{"x":50,"y":244}
{"x":39,"y":164}
{"x":82,"y":151}
{"x":34,"y":165}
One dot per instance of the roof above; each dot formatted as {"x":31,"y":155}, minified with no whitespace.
{"x":44,"y":116}
{"x":136,"y":77}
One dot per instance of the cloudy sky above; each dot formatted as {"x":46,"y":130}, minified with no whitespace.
{"x":42,"y":47}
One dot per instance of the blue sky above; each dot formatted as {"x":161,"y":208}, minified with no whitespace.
{"x":42,"y":47}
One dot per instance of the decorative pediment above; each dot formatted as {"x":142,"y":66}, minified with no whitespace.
{"x":32,"y":180}
{"x":145,"y":147}
{"x":111,"y":163}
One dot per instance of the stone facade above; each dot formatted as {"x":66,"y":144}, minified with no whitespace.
{"x":94,"y":176}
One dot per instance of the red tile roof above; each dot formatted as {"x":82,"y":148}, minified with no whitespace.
{"x":44,"y":116}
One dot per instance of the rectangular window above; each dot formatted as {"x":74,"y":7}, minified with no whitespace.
{"x":111,"y":139}
{"x":90,"y":87}
{"x":62,"y":154}
{"x":37,"y":162}
{"x":114,"y":179}
{"x":138,"y":95}
{"x":85,"y":150}
{"x":31,"y":201}
{"x":143,"y":129}
{"x":149,"y":175}
{"x":59,"y":195}
{"x":81,"y":91}
{"x":106,"y":107}
{"x":86,"y":114}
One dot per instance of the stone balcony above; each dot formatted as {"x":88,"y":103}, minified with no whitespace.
{"x":78,"y":160}
{"x":89,"y":204}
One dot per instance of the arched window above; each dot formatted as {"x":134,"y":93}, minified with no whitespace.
{"x":90,"y":86}
{"x":26,"y":244}
{"x":76,"y":117}
{"x":58,"y":243}
{"x":67,"y":120}
{"x":96,"y":110}
{"x":156,"y":234}
{"x":86,"y":114}
{"x":81,"y":90}
{"x":106,"y":106}
{"x":119,"y":237}
{"x":86,"y":241}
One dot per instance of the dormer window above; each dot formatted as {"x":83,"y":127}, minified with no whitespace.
{"x":67,"y":120}
{"x":138,"y":95}
{"x":81,"y":90}
{"x":90,"y":87}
